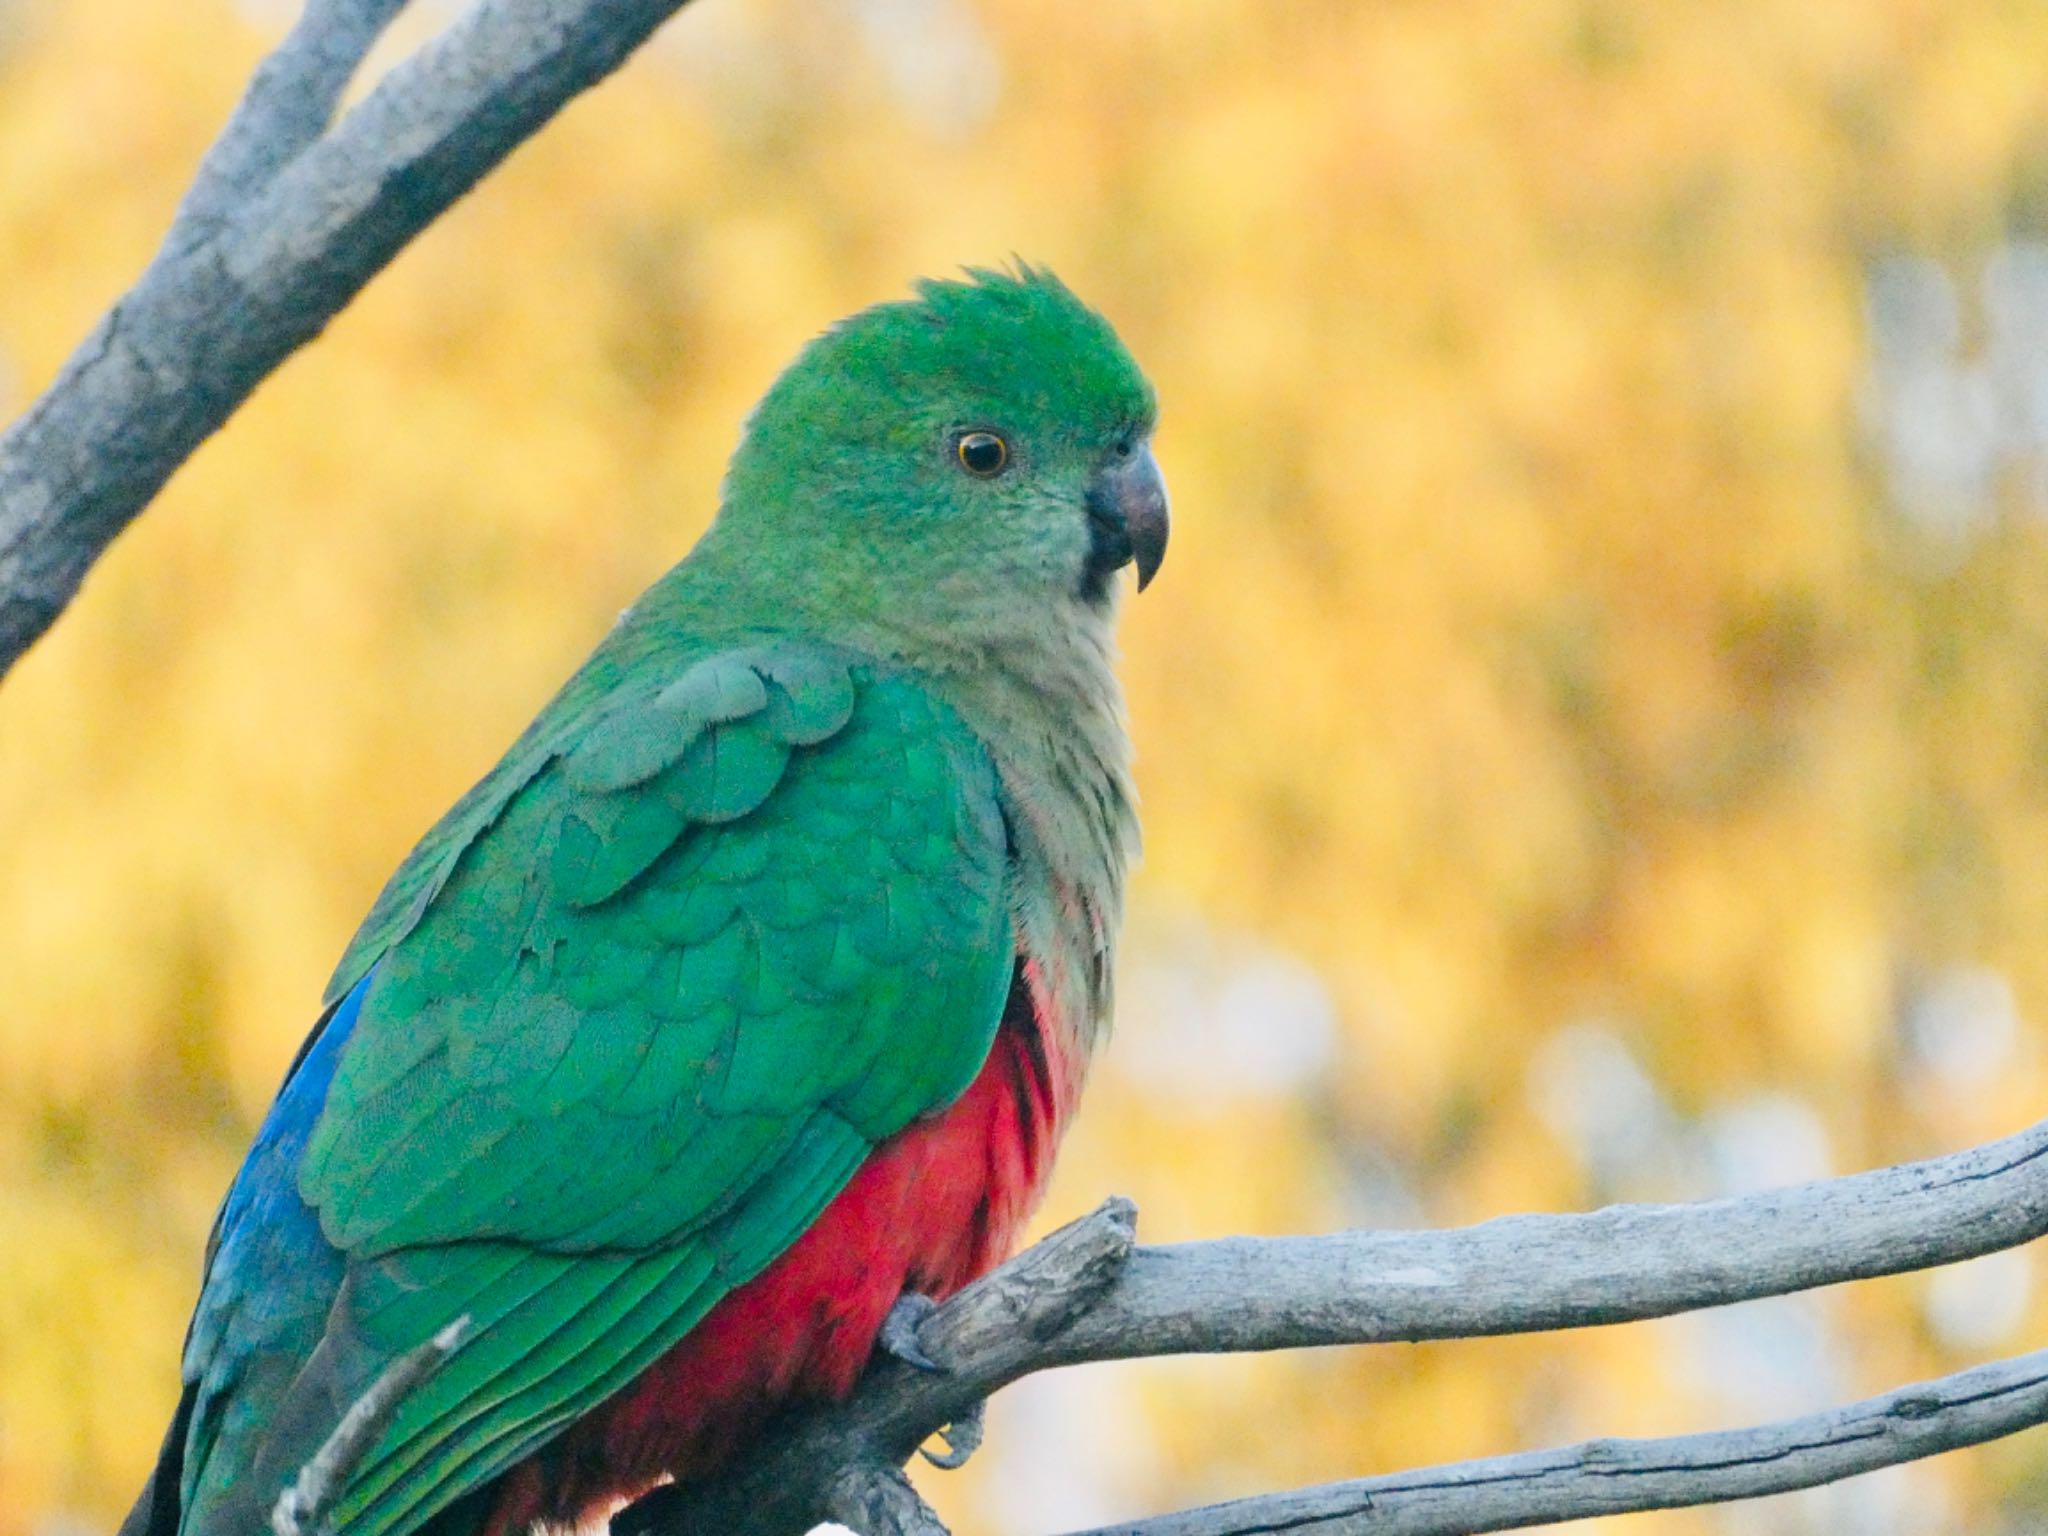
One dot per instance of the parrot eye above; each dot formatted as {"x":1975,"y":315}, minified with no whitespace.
{"x":982,"y":453}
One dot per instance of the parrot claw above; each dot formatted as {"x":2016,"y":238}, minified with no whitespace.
{"x":899,"y":1330}
{"x":898,"y":1337}
{"x":963,"y":1439}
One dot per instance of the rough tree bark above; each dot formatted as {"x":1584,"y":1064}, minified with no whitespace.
{"x":290,"y":214}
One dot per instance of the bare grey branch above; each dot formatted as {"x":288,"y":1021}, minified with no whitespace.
{"x":1613,"y":1477}
{"x":288,"y":105}
{"x":1522,"y":1274}
{"x":273,"y":245}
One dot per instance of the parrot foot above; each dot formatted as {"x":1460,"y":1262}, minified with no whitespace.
{"x":963,"y":1439}
{"x":899,"y":1330}
{"x":899,"y":1338}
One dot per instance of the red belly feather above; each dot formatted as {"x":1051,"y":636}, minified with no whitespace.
{"x":938,"y":1204}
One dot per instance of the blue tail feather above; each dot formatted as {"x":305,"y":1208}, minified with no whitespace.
{"x":269,"y":1282}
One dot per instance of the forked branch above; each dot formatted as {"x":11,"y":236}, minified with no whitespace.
{"x":290,"y":214}
{"x":1519,"y":1274}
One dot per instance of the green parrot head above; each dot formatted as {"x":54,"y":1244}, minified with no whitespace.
{"x":971,"y":466}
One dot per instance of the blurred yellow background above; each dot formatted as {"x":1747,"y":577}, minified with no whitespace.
{"x":1592,"y":722}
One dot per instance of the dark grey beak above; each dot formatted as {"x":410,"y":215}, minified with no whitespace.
{"x":1127,"y":520}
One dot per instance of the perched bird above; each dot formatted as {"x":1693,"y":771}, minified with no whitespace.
{"x":747,"y":995}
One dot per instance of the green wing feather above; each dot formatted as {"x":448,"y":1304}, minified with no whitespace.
{"x":641,"y":1011}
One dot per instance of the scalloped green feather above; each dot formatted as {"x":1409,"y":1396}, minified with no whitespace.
{"x":632,"y":746}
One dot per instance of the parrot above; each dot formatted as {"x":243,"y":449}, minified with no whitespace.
{"x":742,"y":1005}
